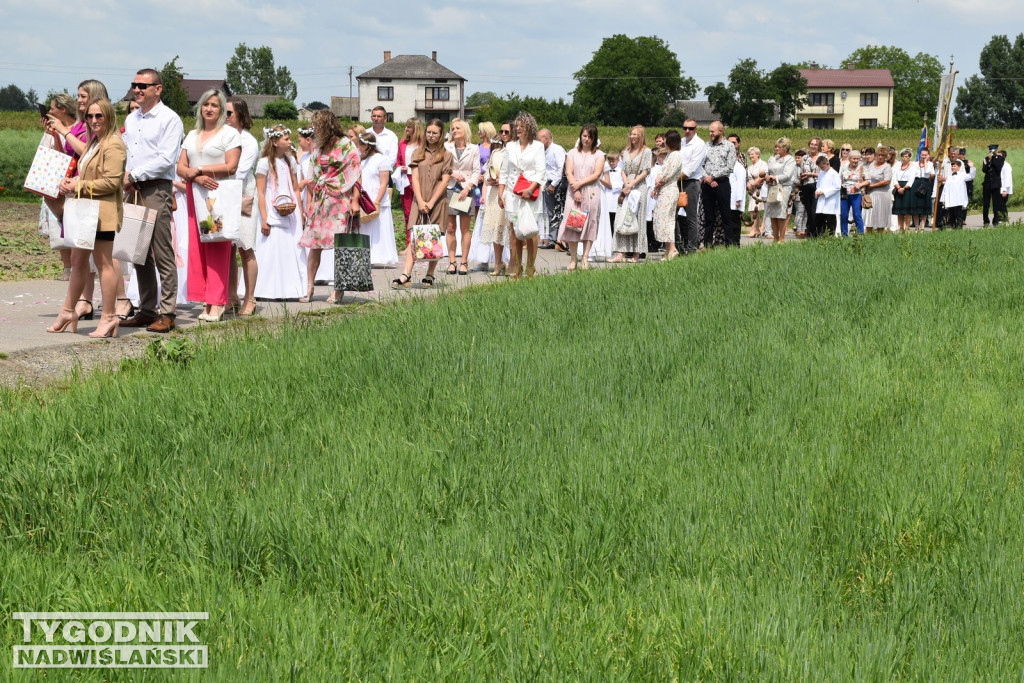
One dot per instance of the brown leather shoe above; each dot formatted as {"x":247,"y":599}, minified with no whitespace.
{"x":140,"y":320}
{"x":165,"y":323}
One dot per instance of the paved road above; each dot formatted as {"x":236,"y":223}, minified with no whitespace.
{"x":28,"y":308}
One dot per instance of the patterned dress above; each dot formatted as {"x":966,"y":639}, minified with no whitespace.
{"x":632,"y":167}
{"x":334,"y":174}
{"x":665,"y":207}
{"x":583,"y":165}
{"x":496,"y":228}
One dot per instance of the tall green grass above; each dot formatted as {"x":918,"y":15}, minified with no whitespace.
{"x":781,"y":462}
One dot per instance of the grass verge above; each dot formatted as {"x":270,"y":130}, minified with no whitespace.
{"x":798,"y":461}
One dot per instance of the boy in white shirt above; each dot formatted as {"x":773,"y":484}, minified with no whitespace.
{"x":954,"y":195}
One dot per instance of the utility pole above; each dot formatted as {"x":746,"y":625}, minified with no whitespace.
{"x":350,"y":82}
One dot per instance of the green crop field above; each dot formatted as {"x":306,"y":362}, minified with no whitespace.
{"x":781,"y":462}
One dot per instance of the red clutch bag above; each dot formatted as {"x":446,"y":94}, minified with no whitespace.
{"x":521,"y":184}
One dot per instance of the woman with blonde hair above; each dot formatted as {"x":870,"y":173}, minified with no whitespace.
{"x":781,"y":178}
{"x":277,"y":245}
{"x":431,"y":167}
{"x":758,"y":191}
{"x":481,"y":251}
{"x":100,"y":177}
{"x":524,"y":158}
{"x":210,"y":153}
{"x":465,"y":177}
{"x":336,"y":170}
{"x":495,"y":228}
{"x":635,"y":164}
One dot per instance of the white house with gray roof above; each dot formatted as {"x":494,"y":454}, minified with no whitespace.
{"x":410,"y":86}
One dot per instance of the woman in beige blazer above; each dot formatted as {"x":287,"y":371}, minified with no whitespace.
{"x":100,"y":177}
{"x":465,"y":176}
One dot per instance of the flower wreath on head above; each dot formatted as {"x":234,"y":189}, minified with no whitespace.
{"x":366,"y":141}
{"x":306,"y":132}
{"x":271,"y":134}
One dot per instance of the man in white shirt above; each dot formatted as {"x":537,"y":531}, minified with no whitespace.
{"x":152,"y":138}
{"x":1005,"y":189}
{"x":387,"y":142}
{"x":693,"y":153}
{"x":554,"y":162}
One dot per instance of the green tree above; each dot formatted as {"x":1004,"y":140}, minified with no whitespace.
{"x":251,"y":70}
{"x":674,"y":117}
{"x":280,"y":110}
{"x":316,"y":105}
{"x":916,"y":79}
{"x":748,"y":99}
{"x":996,"y":97}
{"x":174,"y":94}
{"x":547,"y":112}
{"x":631,"y":81}
{"x":789,"y":89}
{"x":478,"y":99}
{"x":12,"y":98}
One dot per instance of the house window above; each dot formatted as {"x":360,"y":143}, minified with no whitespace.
{"x":867,"y":124}
{"x":821,"y":99}
{"x":384,"y":80}
{"x":391,"y":117}
{"x":385,"y":92}
{"x":440,"y":80}
{"x":437,"y":94}
{"x":821,"y":124}
{"x":869,"y":99}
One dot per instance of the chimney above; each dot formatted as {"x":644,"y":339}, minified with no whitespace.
{"x":433,"y":55}
{"x":387,"y":55}
{"x":850,"y":66}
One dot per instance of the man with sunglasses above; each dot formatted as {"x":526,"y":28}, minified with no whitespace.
{"x":152,"y":137}
{"x":693,"y":153}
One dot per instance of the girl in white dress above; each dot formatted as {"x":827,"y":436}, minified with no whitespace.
{"x":375,"y":174}
{"x":282,"y":261}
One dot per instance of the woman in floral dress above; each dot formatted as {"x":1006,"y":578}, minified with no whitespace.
{"x":335,"y":172}
{"x":666,"y":190}
{"x":636,"y":162}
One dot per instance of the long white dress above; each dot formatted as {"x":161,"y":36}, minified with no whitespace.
{"x":381,"y":230}
{"x":281,"y":260}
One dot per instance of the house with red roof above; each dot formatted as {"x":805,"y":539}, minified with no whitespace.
{"x":847,"y":98}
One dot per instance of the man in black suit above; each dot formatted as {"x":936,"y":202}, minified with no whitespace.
{"x":992,"y":168}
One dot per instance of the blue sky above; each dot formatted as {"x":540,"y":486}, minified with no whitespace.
{"x":531,"y":47}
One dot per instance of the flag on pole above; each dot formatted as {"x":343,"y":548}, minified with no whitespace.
{"x":924,"y":141}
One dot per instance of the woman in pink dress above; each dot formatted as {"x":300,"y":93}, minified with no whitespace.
{"x":406,"y":148}
{"x":334,"y":194}
{"x":583,"y":167}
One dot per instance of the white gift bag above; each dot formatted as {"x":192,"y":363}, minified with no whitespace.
{"x":81,"y":217}
{"x":133,"y":239}
{"x":219,"y":212}
{"x":49,"y":167}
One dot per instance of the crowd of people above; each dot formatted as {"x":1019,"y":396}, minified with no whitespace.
{"x":497,"y":201}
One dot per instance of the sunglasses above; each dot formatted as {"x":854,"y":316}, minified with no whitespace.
{"x":229,"y":112}
{"x":93,"y":117}
{"x":506,"y":132}
{"x":689,"y":127}
{"x":846,"y":149}
{"x":142,"y":86}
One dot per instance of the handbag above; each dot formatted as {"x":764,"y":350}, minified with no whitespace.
{"x":626,"y":222}
{"x":426,"y":240}
{"x":366,"y":204}
{"x":247,"y":203}
{"x":284,"y":205}
{"x":775,"y":194}
{"x":865,"y":202}
{"x":352,"y":267}
{"x":462,"y":205}
{"x":922,"y":190}
{"x":131,"y":243}
{"x":526,"y":223}
{"x":521,"y":184}
{"x":683,"y":201}
{"x":81,"y":218}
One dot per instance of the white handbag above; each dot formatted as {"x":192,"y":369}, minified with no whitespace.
{"x":81,"y":218}
{"x":218,"y":212}
{"x":132,"y":241}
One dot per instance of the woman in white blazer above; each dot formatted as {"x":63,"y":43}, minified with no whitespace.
{"x":465,"y":177}
{"x":525,"y":158}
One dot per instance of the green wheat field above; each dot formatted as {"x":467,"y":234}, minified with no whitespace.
{"x":797,"y":462}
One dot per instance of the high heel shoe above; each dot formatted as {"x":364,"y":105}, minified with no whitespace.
{"x":85,"y":316}
{"x":212,"y":317}
{"x":309,"y":297}
{"x":234,"y":305}
{"x":131,"y":309}
{"x":248,"y":308}
{"x":110,"y":330}
{"x":65,"y":319}
{"x":498,"y":272}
